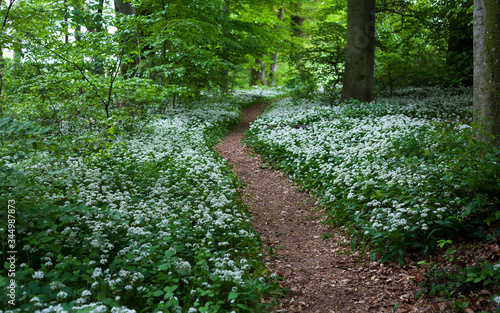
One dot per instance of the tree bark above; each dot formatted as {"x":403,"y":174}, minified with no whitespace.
{"x":360,"y":51}
{"x":97,"y":23}
{"x":274,"y":65}
{"x":486,"y":108}
{"x":4,"y":23}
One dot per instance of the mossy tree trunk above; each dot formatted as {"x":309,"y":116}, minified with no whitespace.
{"x":360,"y":51}
{"x":487,"y":68}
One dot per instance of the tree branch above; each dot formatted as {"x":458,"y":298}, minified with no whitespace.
{"x":7,"y":14}
{"x":82,"y":72}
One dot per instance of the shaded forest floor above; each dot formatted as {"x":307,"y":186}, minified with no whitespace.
{"x":320,"y":270}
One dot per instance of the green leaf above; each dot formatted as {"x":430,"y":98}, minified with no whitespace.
{"x":158,"y":293}
{"x":169,"y":253}
{"x":65,"y":219}
{"x":242,"y":306}
{"x":56,"y":248}
{"x":232,"y":295}
{"x":46,"y":239}
{"x":206,"y":307}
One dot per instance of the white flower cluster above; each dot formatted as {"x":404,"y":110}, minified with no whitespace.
{"x":165,"y":189}
{"x":355,"y":153}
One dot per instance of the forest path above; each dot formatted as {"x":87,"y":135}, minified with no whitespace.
{"x":324,"y":275}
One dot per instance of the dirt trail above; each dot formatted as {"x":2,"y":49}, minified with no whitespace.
{"x":324,"y":275}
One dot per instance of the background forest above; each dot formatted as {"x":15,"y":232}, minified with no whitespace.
{"x":95,"y":50}
{"x":109,"y":111}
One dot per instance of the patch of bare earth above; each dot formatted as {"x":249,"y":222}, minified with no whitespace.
{"x":323,"y":274}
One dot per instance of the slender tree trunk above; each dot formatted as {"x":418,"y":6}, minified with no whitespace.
{"x":274,"y":69}
{"x":360,"y":51}
{"x":125,"y":8}
{"x":297,"y":23}
{"x":486,"y":107}
{"x":274,"y":65}
{"x":66,"y":24}
{"x":2,"y":29}
{"x":78,"y":28}
{"x":6,"y":16}
{"x":262,"y":73}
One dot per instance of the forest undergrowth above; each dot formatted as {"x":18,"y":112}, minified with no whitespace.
{"x":149,"y":219}
{"x":402,"y":175}
{"x":149,"y":222}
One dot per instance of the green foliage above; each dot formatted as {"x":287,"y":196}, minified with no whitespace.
{"x":424,"y":44}
{"x":454,"y":282}
{"x":149,"y":221}
{"x":397,"y":174}
{"x":85,"y":69}
{"x":325,"y":54}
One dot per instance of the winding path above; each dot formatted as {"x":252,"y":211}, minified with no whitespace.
{"x":325,"y":276}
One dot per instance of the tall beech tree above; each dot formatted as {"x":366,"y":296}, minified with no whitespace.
{"x":487,"y":67}
{"x":360,"y":51}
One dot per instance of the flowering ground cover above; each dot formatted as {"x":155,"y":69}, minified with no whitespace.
{"x":149,"y":223}
{"x":400,"y":174}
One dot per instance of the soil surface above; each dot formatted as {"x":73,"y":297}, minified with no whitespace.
{"x":322,"y":272}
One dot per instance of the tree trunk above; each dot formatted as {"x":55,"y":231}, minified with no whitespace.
{"x":297,"y":23}
{"x":66,"y":23}
{"x":274,"y":65}
{"x":360,"y":51}
{"x":128,"y":9}
{"x":4,"y":23}
{"x":487,"y":68}
{"x":258,"y":77}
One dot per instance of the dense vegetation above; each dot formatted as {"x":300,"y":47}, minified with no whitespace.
{"x":109,"y":113}
{"x":150,"y":222}
{"x":400,"y":173}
